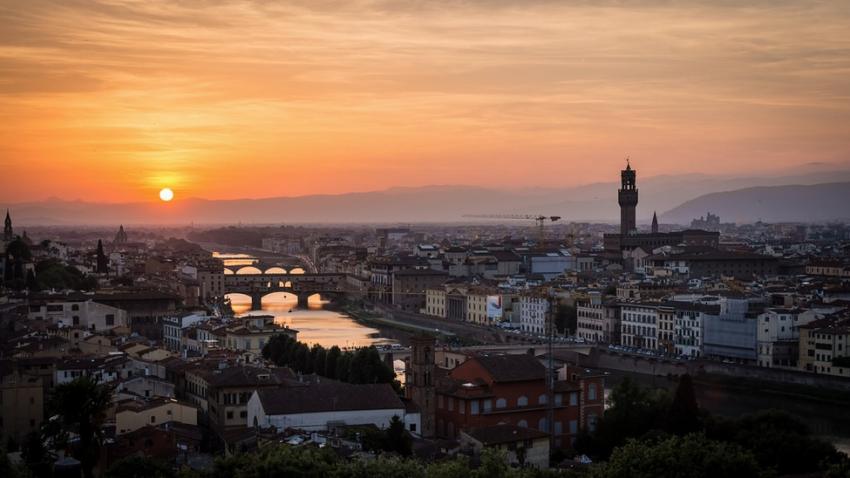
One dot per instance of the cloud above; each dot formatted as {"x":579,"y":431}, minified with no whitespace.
{"x":307,"y":89}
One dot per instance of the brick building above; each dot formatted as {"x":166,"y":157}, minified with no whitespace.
{"x":489,"y":390}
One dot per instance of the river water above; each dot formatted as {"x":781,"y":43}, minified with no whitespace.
{"x":315,"y":324}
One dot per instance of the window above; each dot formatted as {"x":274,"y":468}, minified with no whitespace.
{"x":75,"y":306}
{"x":413,"y":427}
{"x":522,"y":401}
{"x":153,"y":419}
{"x":243,"y":414}
{"x":522,"y":424}
{"x":573,"y":427}
{"x":501,"y":403}
{"x":451,"y":404}
{"x":230,"y":414}
{"x":488,"y":405}
{"x":591,"y":422}
{"x":110,"y":319}
{"x":574,"y":399}
{"x":473,"y":407}
{"x":591,"y":392}
{"x":542,"y":425}
{"x":542,"y":399}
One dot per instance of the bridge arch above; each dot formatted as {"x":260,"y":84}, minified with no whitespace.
{"x":297,"y":270}
{"x":276,"y":270}
{"x":248,"y":270}
{"x":228,"y":272}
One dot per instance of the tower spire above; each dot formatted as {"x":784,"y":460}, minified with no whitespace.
{"x":654,"y":223}
{"x":7,"y":229}
{"x":628,"y":199}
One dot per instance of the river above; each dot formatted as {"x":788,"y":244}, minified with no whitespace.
{"x":315,"y":324}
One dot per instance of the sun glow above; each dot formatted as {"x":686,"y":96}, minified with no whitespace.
{"x":166,"y":194}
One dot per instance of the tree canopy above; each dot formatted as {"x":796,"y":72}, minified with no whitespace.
{"x":363,"y":365}
{"x":80,"y":407}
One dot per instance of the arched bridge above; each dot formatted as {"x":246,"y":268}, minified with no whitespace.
{"x":263,"y":267}
{"x":302,"y":285}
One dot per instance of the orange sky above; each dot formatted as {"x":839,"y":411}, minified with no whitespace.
{"x":112,"y":100}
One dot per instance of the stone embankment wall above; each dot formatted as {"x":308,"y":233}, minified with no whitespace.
{"x":605,"y":359}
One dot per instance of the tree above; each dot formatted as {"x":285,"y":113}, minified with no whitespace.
{"x":397,"y":438}
{"x":36,"y":456}
{"x":81,"y":408}
{"x":777,"y":440}
{"x":102,"y":260}
{"x":634,"y":412}
{"x":53,"y":274}
{"x":331,"y":361}
{"x":343,"y":367}
{"x":692,"y":456}
{"x":684,"y":412}
{"x":32,"y":283}
{"x":18,"y":254}
{"x":139,"y":467}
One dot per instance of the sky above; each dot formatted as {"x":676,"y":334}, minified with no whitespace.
{"x":112,"y":100}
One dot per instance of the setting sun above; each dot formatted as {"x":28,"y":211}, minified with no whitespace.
{"x":166,"y":194}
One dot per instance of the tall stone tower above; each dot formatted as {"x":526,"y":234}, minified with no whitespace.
{"x":419,"y":382}
{"x":102,"y":260}
{"x":654,"y":223}
{"x":628,"y":199}
{"x":8,"y":235}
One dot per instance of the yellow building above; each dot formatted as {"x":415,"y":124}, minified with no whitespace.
{"x":21,"y":405}
{"x":130,"y":415}
{"x":823,"y":347}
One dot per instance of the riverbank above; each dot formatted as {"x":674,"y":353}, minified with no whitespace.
{"x":377,"y":321}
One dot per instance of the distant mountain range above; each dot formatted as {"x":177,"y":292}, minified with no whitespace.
{"x":819,"y":194}
{"x":795,"y":203}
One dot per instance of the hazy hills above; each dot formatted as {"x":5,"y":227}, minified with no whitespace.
{"x":682,"y":197}
{"x":796,"y":203}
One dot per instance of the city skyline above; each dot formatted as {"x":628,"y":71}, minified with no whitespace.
{"x":247,"y":100}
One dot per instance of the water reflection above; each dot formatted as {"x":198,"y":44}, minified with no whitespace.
{"x":315,"y":325}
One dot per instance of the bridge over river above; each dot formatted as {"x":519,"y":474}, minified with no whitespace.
{"x":258,"y":285}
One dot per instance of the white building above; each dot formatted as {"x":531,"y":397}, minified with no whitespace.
{"x":551,"y":264}
{"x":109,"y":368}
{"x":79,"y":313}
{"x":174,"y":327}
{"x":779,"y":334}
{"x":639,"y":325}
{"x":689,"y":331}
{"x":597,"y":322}
{"x":533,"y":313}
{"x":322,"y":405}
{"x":435,"y":302}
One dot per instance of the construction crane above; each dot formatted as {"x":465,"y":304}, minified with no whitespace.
{"x":539,"y":219}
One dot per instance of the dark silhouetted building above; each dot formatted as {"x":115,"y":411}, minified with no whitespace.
{"x":629,"y":239}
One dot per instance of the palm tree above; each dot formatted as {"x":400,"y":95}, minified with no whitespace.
{"x":80,"y":407}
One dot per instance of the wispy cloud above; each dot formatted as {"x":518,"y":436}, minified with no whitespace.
{"x":253,"y":98}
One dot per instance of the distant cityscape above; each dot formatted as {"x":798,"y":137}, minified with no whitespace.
{"x":457,"y":338}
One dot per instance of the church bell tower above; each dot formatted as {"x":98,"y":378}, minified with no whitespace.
{"x":419,"y":382}
{"x":628,"y":199}
{"x":8,"y":234}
